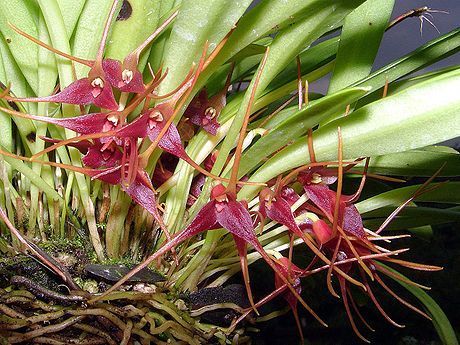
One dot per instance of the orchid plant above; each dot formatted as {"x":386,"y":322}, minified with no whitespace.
{"x":164,"y":127}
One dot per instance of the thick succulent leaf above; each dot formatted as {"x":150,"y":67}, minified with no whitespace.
{"x":136,"y":24}
{"x":13,"y":74}
{"x":20,"y":88}
{"x":415,"y":217}
{"x":71,"y":10}
{"x":24,"y":15}
{"x":394,"y":124}
{"x":267,"y":17}
{"x":240,"y":70}
{"x":419,"y":162}
{"x":359,"y":42}
{"x":158,"y":46}
{"x":440,"y":320}
{"x":444,"y":193}
{"x":297,"y":124}
{"x":88,"y":32}
{"x":197,"y":22}
{"x":414,"y":212}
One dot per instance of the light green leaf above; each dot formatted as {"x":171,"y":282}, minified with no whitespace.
{"x":283,"y":49}
{"x":71,"y":10}
{"x":33,"y":177}
{"x":427,"y":54}
{"x":58,"y":34}
{"x":310,"y":59}
{"x":419,"y":162}
{"x":24,"y":16}
{"x":198,"y":21}
{"x":88,"y":33}
{"x":129,"y":33}
{"x":296,"y":125}
{"x":156,"y":52}
{"x":359,"y":42}
{"x":47,"y":72}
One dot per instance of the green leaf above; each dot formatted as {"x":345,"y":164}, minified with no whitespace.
{"x":444,"y":193}
{"x":429,"y":53}
{"x":394,"y":124}
{"x":419,"y":162}
{"x":291,"y":41}
{"x":414,"y":213}
{"x":310,"y":59}
{"x":47,"y":72}
{"x":283,"y":49}
{"x":88,"y":32}
{"x":129,"y":33}
{"x":198,"y":21}
{"x":359,"y":42}
{"x":157,"y":50}
{"x":71,"y":10}
{"x":25,"y":17}
{"x":440,"y":320}
{"x":58,"y":34}
{"x":33,"y":177}
{"x":13,"y":75}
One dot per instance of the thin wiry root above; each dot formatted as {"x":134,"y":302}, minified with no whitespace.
{"x":18,"y":338}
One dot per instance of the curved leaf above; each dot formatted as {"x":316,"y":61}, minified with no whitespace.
{"x":296,"y":125}
{"x":445,"y":193}
{"x":88,"y":32}
{"x":283,"y":49}
{"x":71,"y":10}
{"x":419,"y":162}
{"x":427,"y":54}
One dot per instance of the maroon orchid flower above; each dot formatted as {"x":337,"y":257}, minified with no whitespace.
{"x":348,"y":218}
{"x":203,"y":111}
{"x":126,"y":76}
{"x":344,"y":253}
{"x":278,"y":209}
{"x":93,"y":89}
{"x":224,"y":211}
{"x":103,"y":75}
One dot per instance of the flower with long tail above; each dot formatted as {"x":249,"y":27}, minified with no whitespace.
{"x":104,"y":74}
